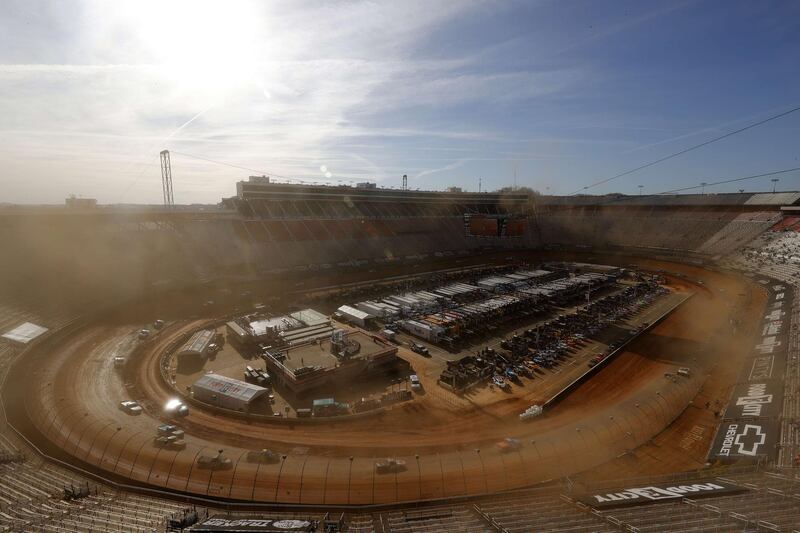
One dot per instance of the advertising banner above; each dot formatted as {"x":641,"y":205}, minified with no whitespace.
{"x":659,"y":493}
{"x":229,"y":524}
{"x":746,"y":440}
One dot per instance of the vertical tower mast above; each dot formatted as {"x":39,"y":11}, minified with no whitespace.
{"x":166,"y":179}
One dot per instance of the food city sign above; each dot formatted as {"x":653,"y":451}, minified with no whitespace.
{"x":756,"y":399}
{"x":651,"y":494}
{"x":219,"y":523}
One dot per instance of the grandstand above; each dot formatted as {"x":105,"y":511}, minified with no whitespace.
{"x":272,"y":228}
{"x":697,"y":224}
{"x":108,"y":255}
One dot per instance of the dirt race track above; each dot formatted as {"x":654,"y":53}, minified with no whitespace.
{"x":627,"y":418}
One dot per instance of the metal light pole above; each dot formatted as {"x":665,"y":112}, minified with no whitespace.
{"x":349,"y":478}
{"x":483,"y":469}
{"x":419,"y":477}
{"x":774,"y":183}
{"x":280,"y":470}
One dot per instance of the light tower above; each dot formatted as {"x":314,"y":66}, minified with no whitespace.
{"x":405,"y":182}
{"x":166,"y":179}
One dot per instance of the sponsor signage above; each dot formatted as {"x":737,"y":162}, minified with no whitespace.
{"x":754,"y":399}
{"x":659,"y":493}
{"x":775,"y":327}
{"x":229,"y":524}
{"x":751,"y":428}
{"x":775,"y":314}
{"x":743,"y":439}
{"x":763,"y":367}
{"x":772,"y":329}
{"x":770,"y":344}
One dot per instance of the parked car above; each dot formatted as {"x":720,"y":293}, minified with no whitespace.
{"x":131,"y":407}
{"x":144,"y":333}
{"x":419,"y":348}
{"x":533,"y":367}
{"x":500,"y":382}
{"x":415,"y":384}
{"x":390,"y":466}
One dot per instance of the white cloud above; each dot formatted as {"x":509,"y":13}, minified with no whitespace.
{"x":276,"y":85}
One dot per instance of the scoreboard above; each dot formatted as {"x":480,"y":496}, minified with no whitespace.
{"x":479,"y":225}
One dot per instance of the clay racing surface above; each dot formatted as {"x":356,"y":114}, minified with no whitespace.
{"x":70,"y":391}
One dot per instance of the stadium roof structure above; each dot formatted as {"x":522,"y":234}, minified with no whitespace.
{"x":25,"y":333}
{"x":778,"y":198}
{"x":232,"y":388}
{"x":708,"y":199}
{"x":253,"y":189}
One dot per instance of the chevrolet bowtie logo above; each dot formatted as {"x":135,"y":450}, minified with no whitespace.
{"x":750,"y":439}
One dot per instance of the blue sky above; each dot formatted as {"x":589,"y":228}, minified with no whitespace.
{"x":565,"y":93}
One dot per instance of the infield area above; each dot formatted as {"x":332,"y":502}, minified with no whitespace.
{"x":630,"y":416}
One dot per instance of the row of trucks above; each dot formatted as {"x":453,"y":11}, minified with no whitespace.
{"x":257,"y":376}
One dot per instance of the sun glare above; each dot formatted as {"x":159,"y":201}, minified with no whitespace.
{"x":211,"y":45}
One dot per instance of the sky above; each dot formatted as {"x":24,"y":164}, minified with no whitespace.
{"x":555,"y":95}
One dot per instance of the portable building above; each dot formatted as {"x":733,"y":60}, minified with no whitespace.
{"x":197,"y":345}
{"x":310,"y":317}
{"x":228,"y":393}
{"x":237,"y":333}
{"x":356,"y":316}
